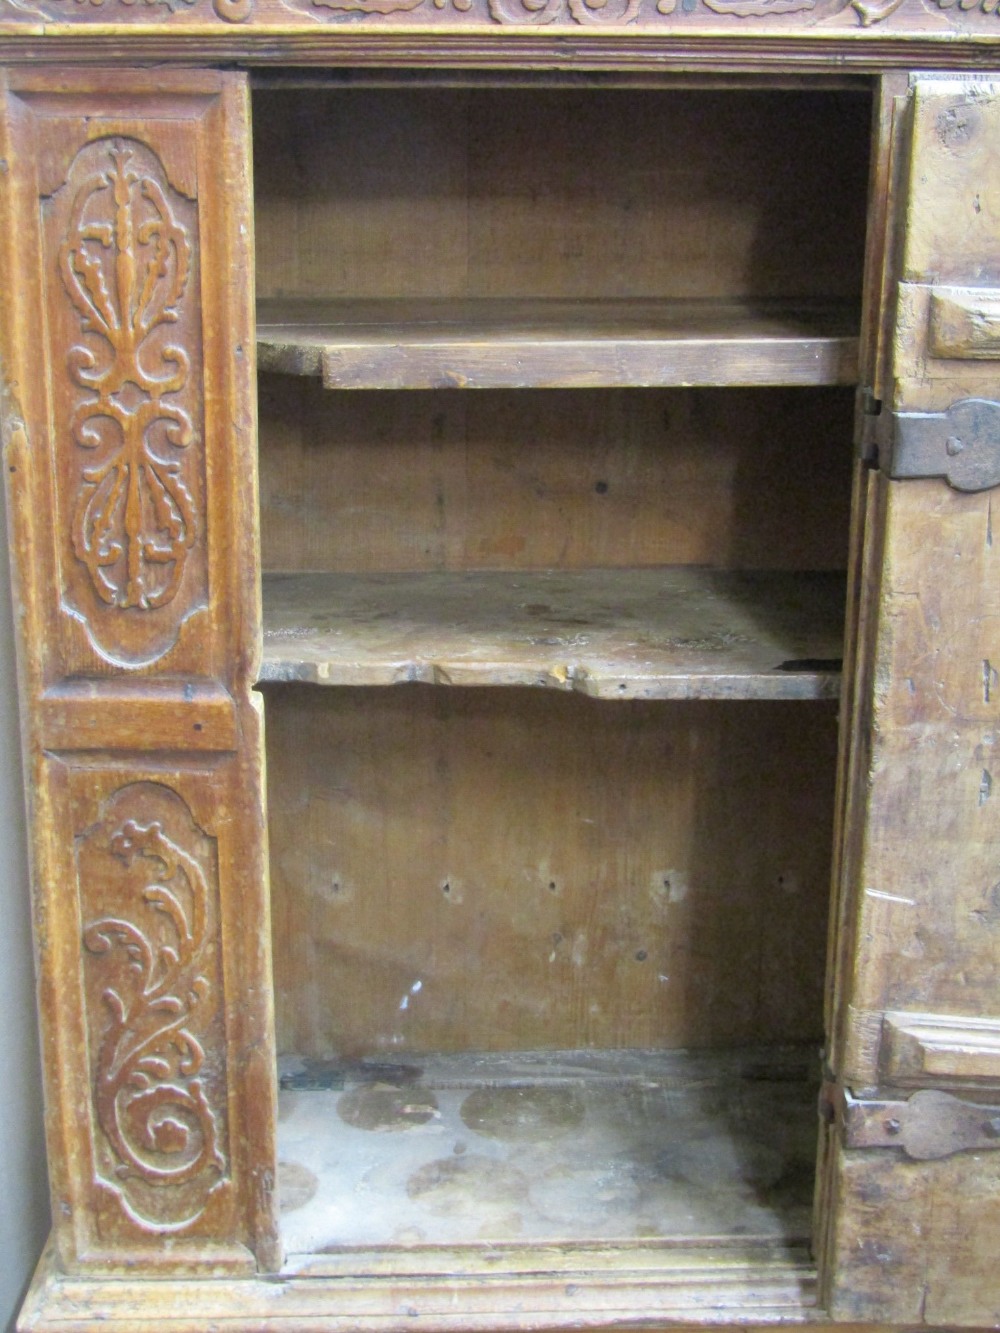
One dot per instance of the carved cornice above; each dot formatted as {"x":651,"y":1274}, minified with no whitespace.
{"x":915,"y":18}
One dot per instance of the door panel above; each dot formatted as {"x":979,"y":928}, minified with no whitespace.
{"x":914,"y":1055}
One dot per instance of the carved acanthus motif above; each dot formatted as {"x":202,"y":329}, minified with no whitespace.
{"x":874,"y":11}
{"x":233,"y":11}
{"x":153,"y":957}
{"x":125,"y":263}
{"x":759,"y":8}
{"x":614,"y":13}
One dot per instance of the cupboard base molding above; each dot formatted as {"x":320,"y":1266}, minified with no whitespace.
{"x":692,"y":1286}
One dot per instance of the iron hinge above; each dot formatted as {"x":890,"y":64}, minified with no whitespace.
{"x":961,"y":444}
{"x":867,"y":415}
{"x":926,"y":1126}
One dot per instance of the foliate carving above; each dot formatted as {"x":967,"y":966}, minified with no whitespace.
{"x":131,"y":465}
{"x":613,"y":13}
{"x":550,"y":11}
{"x":125,"y":263}
{"x":874,"y":11}
{"x":232,"y":11}
{"x":153,"y":1001}
{"x":759,"y":8}
{"x":621,"y":13}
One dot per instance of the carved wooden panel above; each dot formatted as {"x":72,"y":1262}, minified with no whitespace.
{"x":129,"y":436}
{"x":159,"y":1063}
{"x":126,"y":220}
{"x":126,"y":382}
{"x":148,"y":881}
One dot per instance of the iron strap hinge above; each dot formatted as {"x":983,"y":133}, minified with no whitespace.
{"x":926,"y":1126}
{"x":961,"y":444}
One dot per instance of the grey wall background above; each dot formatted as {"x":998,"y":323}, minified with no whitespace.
{"x":23,"y":1186}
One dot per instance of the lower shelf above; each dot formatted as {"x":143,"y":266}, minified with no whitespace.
{"x":565,"y":1149}
{"x":652,"y":1189}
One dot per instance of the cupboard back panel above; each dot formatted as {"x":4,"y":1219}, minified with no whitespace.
{"x":590,"y":193}
{"x":388,"y":482}
{"x":507,"y":870}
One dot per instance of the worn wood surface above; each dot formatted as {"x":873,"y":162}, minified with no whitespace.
{"x":128,"y":430}
{"x":561,"y":1149}
{"x":923,"y":898}
{"x":383,"y":483}
{"x":919,"y":947}
{"x":682,"y":633}
{"x":783,"y":38}
{"x":365,"y":193}
{"x":636,"y":874}
{"x":690,"y":1292}
{"x":489,"y":344}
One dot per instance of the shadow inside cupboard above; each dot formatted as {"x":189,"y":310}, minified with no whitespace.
{"x":556,"y":404}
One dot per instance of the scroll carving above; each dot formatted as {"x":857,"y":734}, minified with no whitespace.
{"x":613,"y":13}
{"x":125,"y":262}
{"x":231,"y":11}
{"x":134,"y":522}
{"x":874,"y":11}
{"x":152,"y":988}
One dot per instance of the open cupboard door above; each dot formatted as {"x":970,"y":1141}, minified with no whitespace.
{"x":910,"y":1182}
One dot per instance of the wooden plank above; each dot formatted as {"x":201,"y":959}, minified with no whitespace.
{"x":563,"y":1150}
{"x":561,"y":479}
{"x":489,"y":344}
{"x":613,"y":634}
{"x":639,"y":874}
{"x":161,"y":715}
{"x":693,"y":1292}
{"x":576,"y":193}
{"x":913,"y":1239}
{"x":919,"y":940}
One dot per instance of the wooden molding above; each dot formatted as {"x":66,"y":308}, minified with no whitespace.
{"x":918,"y":1049}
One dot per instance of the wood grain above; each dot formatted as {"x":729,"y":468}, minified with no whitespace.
{"x":919,"y":947}
{"x":554,"y":193}
{"x":563,"y":1150}
{"x":384,"y":483}
{"x":129,"y":423}
{"x":466,"y":1293}
{"x":637,"y":874}
{"x":491,"y":344}
{"x":620,"y":634}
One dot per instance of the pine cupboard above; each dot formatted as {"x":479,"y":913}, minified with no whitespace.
{"x":572,"y":429}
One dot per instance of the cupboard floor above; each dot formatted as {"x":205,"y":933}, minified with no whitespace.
{"x":547,"y":1147}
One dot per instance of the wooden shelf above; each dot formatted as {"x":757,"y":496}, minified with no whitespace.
{"x":493,"y":344}
{"x":566,"y":1149}
{"x":675,"y":633}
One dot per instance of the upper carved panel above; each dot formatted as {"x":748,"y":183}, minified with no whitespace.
{"x":128,"y":442}
{"x":921,"y":16}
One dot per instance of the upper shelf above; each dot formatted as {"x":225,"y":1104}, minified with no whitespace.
{"x":558,"y":344}
{"x":674,"y":633}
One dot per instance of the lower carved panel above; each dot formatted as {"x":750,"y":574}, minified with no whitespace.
{"x":148,"y":883}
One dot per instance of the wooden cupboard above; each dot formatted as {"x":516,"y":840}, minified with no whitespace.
{"x":574,"y":434}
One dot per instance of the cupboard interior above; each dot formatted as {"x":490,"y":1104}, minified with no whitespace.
{"x":548,"y":967}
